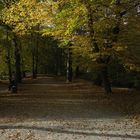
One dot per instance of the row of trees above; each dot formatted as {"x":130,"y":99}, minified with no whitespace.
{"x":90,"y":34}
{"x":21,"y":41}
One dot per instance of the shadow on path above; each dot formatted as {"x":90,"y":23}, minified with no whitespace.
{"x":79,"y":132}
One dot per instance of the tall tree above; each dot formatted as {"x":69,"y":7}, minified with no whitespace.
{"x":22,"y":16}
{"x":94,"y":28}
{"x":8,"y":56}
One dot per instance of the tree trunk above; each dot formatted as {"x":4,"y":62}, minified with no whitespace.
{"x":69,"y":66}
{"x":23,"y":68}
{"x":36,"y":64}
{"x":61,"y":62}
{"x":77,"y":72}
{"x":18,"y":76}
{"x":33,"y":56}
{"x":8,"y":58}
{"x":36,"y":51}
{"x":95,"y":47}
{"x":105,"y":79}
{"x":33,"y":63}
{"x":36,"y":58}
{"x":94,"y":44}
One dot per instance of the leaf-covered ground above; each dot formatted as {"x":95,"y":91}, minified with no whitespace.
{"x":50,"y":109}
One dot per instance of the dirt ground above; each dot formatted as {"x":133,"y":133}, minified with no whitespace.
{"x":50,"y":109}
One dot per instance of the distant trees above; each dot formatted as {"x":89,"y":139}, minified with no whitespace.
{"x":83,"y":35}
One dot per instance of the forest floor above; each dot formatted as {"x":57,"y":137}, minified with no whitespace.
{"x":50,"y":109}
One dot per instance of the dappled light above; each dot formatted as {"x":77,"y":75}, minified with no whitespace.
{"x":69,"y":69}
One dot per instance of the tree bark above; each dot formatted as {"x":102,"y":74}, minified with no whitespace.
{"x":8,"y":58}
{"x":36,"y":57}
{"x":77,"y":72}
{"x":18,"y":76}
{"x":106,"y":81}
{"x":69,"y":66}
{"x":34,"y":66}
{"x":94,"y":44}
{"x":33,"y":63}
{"x":36,"y":51}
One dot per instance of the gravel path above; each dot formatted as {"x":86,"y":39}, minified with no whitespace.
{"x":50,"y":109}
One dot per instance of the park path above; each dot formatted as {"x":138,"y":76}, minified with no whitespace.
{"x":50,"y":109}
